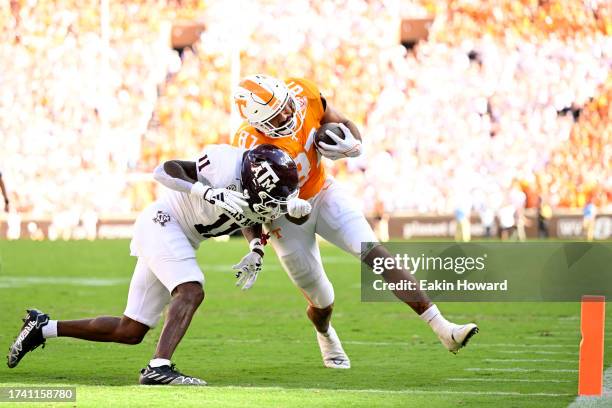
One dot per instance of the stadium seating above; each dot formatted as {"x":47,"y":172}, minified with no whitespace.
{"x":464,"y":114}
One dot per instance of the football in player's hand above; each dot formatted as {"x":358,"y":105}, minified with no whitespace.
{"x":322,"y":136}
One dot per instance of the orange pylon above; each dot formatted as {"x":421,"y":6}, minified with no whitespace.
{"x":590,"y":365}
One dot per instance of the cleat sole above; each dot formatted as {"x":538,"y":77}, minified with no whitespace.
{"x":469,"y":336}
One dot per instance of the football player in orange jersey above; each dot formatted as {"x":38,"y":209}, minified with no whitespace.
{"x":287,"y":114}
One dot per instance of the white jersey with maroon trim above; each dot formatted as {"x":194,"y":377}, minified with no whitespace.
{"x":218,"y":166}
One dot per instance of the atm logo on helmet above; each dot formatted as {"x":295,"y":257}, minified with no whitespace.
{"x":266,"y":177}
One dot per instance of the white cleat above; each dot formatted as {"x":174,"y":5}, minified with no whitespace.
{"x":332,"y":351}
{"x":458,"y":336}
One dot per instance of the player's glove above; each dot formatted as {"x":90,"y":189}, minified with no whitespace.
{"x":347,"y":147}
{"x":298,"y":208}
{"x":231,"y":201}
{"x":250,"y":265}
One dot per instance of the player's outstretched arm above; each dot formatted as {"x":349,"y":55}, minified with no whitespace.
{"x":181,"y":176}
{"x":176,"y":175}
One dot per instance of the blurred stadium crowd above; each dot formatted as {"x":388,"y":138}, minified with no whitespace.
{"x":505,"y":95}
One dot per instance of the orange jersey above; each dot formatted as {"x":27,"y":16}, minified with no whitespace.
{"x":300,"y":146}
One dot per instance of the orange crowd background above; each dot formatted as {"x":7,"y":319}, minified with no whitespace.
{"x":501,"y":93}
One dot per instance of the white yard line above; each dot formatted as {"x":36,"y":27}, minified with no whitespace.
{"x":522,"y":349}
{"x":520,"y":370}
{"x":527,"y":380}
{"x":575,"y":337}
{"x":575,"y":320}
{"x":472,"y":345}
{"x":523,"y":352}
{"x":564,"y":337}
{"x":410,"y":391}
{"x":340,"y":259}
{"x":19,"y":281}
{"x":408,"y":344}
{"x":597,"y":402}
{"x":528,"y":360}
{"x":522,"y":345}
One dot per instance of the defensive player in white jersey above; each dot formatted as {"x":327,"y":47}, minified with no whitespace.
{"x":224,"y":190}
{"x":287,"y":114}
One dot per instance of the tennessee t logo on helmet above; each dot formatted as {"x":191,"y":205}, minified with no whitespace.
{"x":266,"y":96}
{"x":269,"y":106}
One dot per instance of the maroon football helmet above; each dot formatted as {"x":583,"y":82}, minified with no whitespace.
{"x":269,"y":180}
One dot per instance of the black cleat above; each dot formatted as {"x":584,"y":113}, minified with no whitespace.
{"x":166,"y":375}
{"x":29,"y":337}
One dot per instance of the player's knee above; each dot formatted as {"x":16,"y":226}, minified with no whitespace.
{"x":190,"y":293}
{"x":320,"y":311}
{"x":131,"y":332}
{"x":131,"y":339}
{"x":306,"y":271}
{"x":302,"y":267}
{"x":361,"y":240}
{"x":320,"y":294}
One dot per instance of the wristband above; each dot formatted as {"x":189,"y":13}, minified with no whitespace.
{"x":256,"y":246}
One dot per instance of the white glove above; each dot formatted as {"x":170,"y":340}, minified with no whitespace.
{"x":298,"y":208}
{"x":347,"y":147}
{"x":229,"y":200}
{"x":250,"y":265}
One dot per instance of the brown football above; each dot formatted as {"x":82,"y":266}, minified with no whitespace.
{"x":321,"y":136}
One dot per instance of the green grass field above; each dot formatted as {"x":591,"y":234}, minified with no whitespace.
{"x":257,"y":348}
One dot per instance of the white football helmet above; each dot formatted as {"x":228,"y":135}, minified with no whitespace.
{"x":260,"y":98}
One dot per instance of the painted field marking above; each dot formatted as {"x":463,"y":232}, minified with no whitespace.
{"x":472,"y":345}
{"x":413,"y":391}
{"x":597,"y":402}
{"x":340,"y":260}
{"x":519,"y":370}
{"x":568,"y":337}
{"x":19,"y":281}
{"x":408,"y":344}
{"x":527,"y":360}
{"x":522,"y":345}
{"x":406,"y":391}
{"x":527,"y":380}
{"x":573,"y":320}
{"x":523,"y":352}
{"x":556,"y":338}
